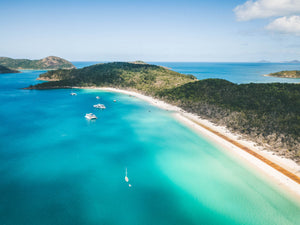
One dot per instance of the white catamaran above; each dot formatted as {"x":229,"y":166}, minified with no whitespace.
{"x":90,"y":116}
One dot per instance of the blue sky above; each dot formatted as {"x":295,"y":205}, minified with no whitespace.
{"x":115,"y":30}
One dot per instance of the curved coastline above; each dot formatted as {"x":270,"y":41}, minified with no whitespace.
{"x":283,"y":172}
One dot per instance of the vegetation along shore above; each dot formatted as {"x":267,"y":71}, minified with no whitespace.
{"x":265,"y":113}
{"x":286,"y":74}
{"x":4,"y":69}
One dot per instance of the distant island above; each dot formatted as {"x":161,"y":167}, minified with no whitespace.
{"x":286,"y":74}
{"x":48,"y":63}
{"x":4,"y":69}
{"x":146,"y":78}
{"x":292,"y":61}
{"x":266,"y":113}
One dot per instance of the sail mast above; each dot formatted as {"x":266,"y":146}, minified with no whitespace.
{"x":126,"y":178}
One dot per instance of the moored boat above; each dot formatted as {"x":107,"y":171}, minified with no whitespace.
{"x":99,"y":106}
{"x":90,"y":116}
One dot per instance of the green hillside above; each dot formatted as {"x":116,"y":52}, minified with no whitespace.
{"x":268,"y":113}
{"x":48,"y":63}
{"x":143,"y":77}
{"x":286,"y":74}
{"x":4,"y":69}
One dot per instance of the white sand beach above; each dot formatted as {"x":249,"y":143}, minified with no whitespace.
{"x":196,"y":123}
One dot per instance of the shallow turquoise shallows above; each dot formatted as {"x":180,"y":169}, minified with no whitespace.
{"x":58,"y":168}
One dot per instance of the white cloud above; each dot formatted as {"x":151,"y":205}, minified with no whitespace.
{"x":266,"y":8}
{"x":286,"y":25}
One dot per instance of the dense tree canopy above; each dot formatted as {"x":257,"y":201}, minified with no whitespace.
{"x":4,"y":69}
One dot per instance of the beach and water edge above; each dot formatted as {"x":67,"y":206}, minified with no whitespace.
{"x":281,"y":172}
{"x":51,"y":155}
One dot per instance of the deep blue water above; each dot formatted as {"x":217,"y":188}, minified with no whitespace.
{"x":58,"y":168}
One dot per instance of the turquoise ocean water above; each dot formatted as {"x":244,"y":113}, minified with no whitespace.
{"x":235,"y":72}
{"x":58,"y":168}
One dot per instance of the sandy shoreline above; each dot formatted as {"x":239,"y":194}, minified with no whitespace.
{"x":232,"y":143}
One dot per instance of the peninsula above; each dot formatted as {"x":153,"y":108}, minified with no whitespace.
{"x":4,"y":69}
{"x":286,"y":74}
{"x":48,"y":63}
{"x":265,"y":113}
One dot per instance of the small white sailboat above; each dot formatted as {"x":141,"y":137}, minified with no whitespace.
{"x":126,"y":177}
{"x":99,"y":106}
{"x":73,"y":93}
{"x":97,"y":97}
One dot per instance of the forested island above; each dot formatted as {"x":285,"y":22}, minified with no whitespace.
{"x":148,"y":79}
{"x":267,"y":113}
{"x":48,"y":63}
{"x":286,"y":74}
{"x":4,"y":69}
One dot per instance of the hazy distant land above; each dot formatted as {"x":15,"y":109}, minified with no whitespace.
{"x":48,"y":63}
{"x":267,"y":61}
{"x":292,"y":61}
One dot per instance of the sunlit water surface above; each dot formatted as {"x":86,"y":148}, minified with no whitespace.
{"x":57,"y":167}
